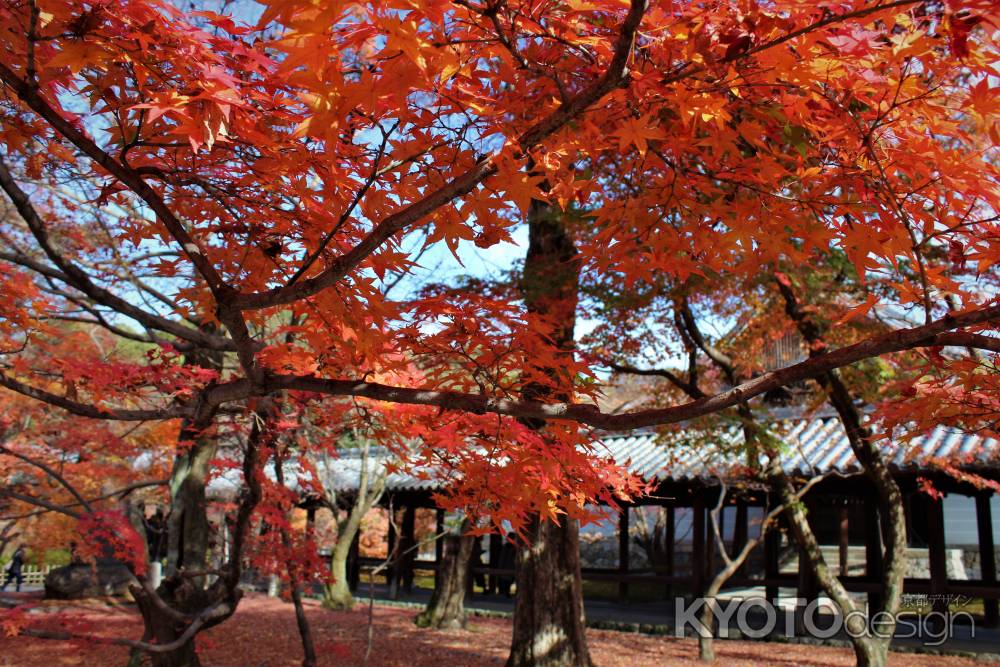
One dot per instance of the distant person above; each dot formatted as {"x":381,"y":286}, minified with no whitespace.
{"x":14,"y":570}
{"x":507,"y":561}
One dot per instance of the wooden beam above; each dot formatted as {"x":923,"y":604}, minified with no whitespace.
{"x":354,"y":562}
{"x":623,"y":539}
{"x":987,"y":555}
{"x":708,"y":564}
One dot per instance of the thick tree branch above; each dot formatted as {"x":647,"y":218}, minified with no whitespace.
{"x":937,"y":333}
{"x":895,"y":341}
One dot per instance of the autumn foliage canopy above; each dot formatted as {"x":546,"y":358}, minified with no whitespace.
{"x":249,"y":184}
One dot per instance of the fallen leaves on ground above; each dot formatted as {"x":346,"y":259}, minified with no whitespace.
{"x":263,"y":634}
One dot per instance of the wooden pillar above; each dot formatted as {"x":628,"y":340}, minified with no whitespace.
{"x":806,"y":586}
{"x":496,"y":543}
{"x":392,"y":573}
{"x":408,"y":542}
{"x":670,"y":538}
{"x":438,"y":539}
{"x":936,"y":553}
{"x":740,"y":532}
{"x":623,"y":540}
{"x":772,"y":554}
{"x":844,"y":540}
{"x":987,"y":556}
{"x":873,"y":552}
{"x":698,"y":546}
{"x":354,"y":562}
{"x":708,"y":564}
{"x":310,"y":519}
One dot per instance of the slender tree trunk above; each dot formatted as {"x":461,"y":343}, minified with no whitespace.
{"x":549,"y":622}
{"x":446,"y":609}
{"x":305,"y":633}
{"x":868,"y":651}
{"x":183,"y":593}
{"x":371,"y":486}
{"x":337,"y":594}
{"x":872,"y":650}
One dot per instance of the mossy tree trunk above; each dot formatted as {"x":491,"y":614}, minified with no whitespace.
{"x":446,"y":609}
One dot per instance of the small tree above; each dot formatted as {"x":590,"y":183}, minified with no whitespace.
{"x":349,"y":510}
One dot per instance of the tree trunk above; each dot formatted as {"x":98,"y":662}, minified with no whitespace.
{"x":305,"y":633}
{"x":874,"y":650}
{"x":446,"y":609}
{"x":183,"y":596}
{"x":337,"y":594}
{"x":549,"y":629}
{"x":868,"y":651}
{"x":188,"y":536}
{"x":548,"y":608}
{"x":371,"y":486}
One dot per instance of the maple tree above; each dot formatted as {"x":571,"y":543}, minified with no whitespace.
{"x":185,"y":180}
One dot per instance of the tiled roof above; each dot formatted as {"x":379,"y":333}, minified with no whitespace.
{"x":812,"y":446}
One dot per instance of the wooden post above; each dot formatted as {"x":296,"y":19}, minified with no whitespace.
{"x":806,"y":582}
{"x":698,"y":546}
{"x":844,"y":540}
{"x":772,"y":555}
{"x":408,"y":553}
{"x":936,"y":554}
{"x":310,"y":519}
{"x":623,"y":552}
{"x":740,"y":531}
{"x":354,"y":562}
{"x":439,"y":539}
{"x":392,"y":574}
{"x":671,"y":541}
{"x":496,"y":542}
{"x":873,"y":552}
{"x":708,"y":565}
{"x":987,"y":556}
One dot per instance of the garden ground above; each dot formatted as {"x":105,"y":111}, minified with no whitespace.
{"x":263,"y":634}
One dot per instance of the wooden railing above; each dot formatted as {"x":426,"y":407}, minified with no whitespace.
{"x":33,"y":575}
